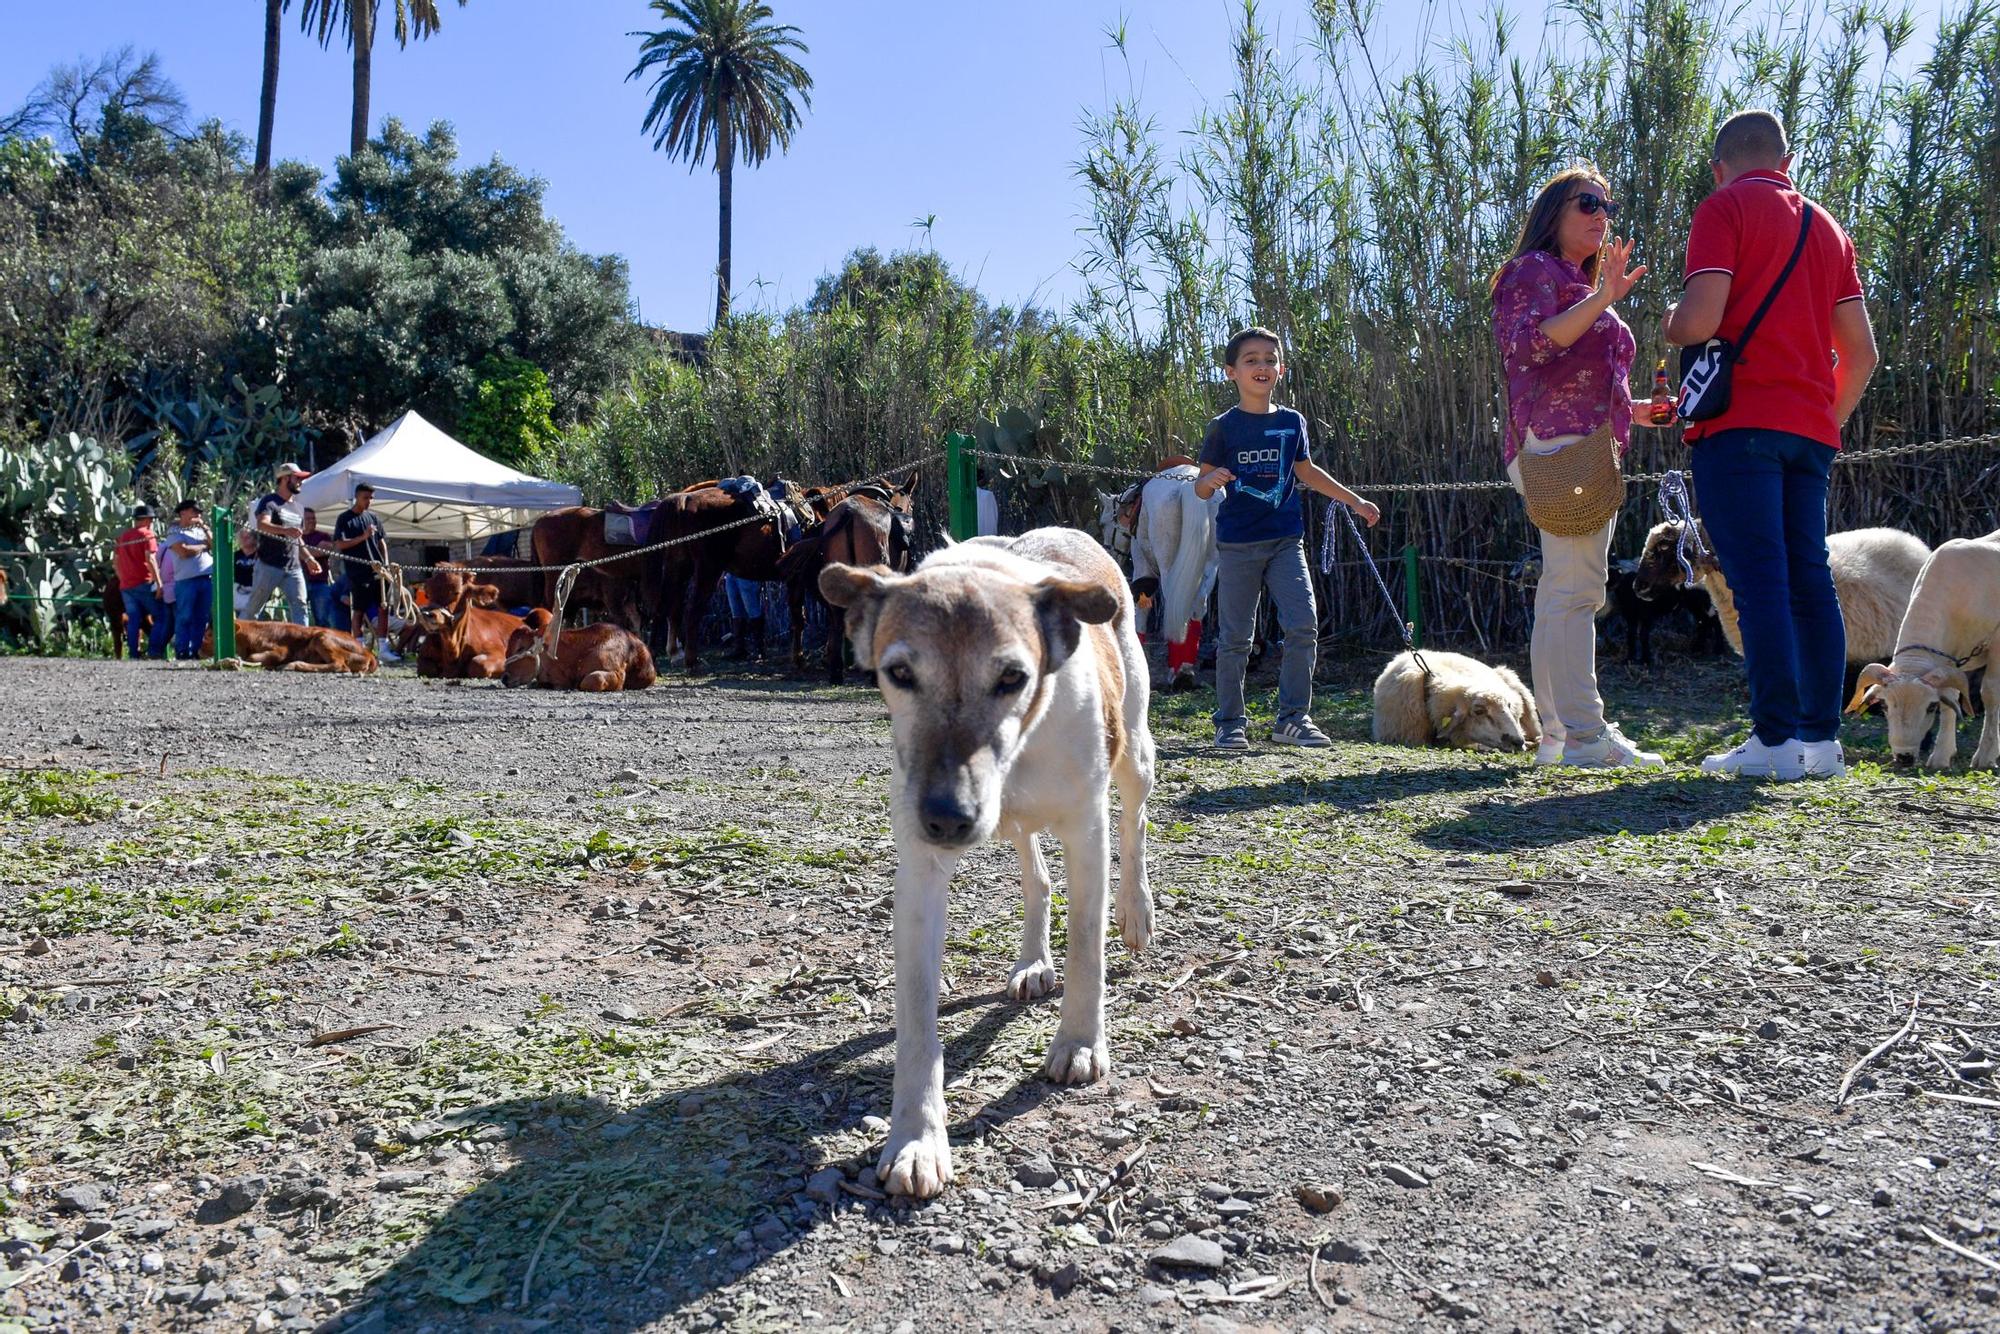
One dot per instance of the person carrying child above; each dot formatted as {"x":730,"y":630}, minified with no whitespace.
{"x":1258,"y":455}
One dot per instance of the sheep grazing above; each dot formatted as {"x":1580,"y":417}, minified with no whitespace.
{"x":1463,"y":703}
{"x":1952,"y":628}
{"x":1873,"y":572}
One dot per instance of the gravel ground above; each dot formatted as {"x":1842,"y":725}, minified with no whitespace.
{"x":389,"y":1004}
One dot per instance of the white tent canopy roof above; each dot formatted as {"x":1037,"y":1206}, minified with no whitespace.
{"x":429,"y":487}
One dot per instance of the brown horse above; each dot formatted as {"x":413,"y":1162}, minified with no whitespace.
{"x":870,"y":527}
{"x":690,"y":571}
{"x":626,"y":591}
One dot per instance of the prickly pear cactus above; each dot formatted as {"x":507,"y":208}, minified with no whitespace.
{"x":62,"y":504}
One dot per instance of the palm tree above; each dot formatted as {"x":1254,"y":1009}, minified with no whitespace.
{"x":357,"y":19}
{"x":724,"y":77}
{"x":267,"y":102}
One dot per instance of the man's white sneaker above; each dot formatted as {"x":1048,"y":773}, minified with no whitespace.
{"x":387,"y":654}
{"x":1549,"y":750}
{"x":1611,"y":750}
{"x":1785,"y":761}
{"x":1823,"y":759}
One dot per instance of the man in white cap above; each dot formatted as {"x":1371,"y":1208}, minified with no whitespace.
{"x":282,"y":559}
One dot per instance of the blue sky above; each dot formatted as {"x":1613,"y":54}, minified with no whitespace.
{"x":958,"y":108}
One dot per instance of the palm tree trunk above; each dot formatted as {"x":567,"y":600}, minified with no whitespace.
{"x":725,"y":164}
{"x":363,"y":12}
{"x":267,"y":102}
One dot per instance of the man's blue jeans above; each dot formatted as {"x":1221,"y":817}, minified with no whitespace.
{"x":324,"y":612}
{"x":1763,"y":501}
{"x":191,"y":604}
{"x":145,"y":601}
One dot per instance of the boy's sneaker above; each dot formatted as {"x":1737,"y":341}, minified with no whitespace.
{"x":1300,"y":733}
{"x":1549,"y":750}
{"x":1785,"y":761}
{"x":1823,"y":759}
{"x":1232,"y":738}
{"x":386,"y":654}
{"x":1611,"y":750}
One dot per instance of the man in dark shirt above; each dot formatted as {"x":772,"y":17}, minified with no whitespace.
{"x":359,"y":535}
{"x":319,"y":586}
{"x":282,"y":563}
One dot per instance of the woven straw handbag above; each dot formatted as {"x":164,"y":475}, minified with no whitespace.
{"x":1575,"y":491}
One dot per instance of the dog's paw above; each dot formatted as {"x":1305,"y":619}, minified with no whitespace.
{"x":1135,"y":919}
{"x":1031,"y":979}
{"x":915,"y":1165}
{"x":1073,"y":1061}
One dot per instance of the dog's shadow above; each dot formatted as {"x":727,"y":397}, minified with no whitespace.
{"x":671,"y":1189}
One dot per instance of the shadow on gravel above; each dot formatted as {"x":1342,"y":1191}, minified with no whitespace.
{"x":1350,"y":792}
{"x":664,"y":1189}
{"x":1657,"y":806}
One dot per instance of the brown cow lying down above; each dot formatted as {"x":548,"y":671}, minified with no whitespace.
{"x":467,"y":640}
{"x":284,"y":647}
{"x":597,"y":657}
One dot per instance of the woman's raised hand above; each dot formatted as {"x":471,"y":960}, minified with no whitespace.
{"x":1614,"y":280}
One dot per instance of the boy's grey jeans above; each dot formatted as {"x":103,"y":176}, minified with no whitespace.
{"x":1243,"y":571}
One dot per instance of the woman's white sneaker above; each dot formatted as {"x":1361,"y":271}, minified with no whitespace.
{"x":1611,"y":750}
{"x":1785,"y":761}
{"x":1549,"y":750}
{"x":1823,"y":759}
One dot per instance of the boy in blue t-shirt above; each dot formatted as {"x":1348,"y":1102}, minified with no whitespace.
{"x":1260,"y":453}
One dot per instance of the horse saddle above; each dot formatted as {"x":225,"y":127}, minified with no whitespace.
{"x":629,"y":525}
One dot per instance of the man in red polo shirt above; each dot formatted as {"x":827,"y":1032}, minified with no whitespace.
{"x":1760,"y":469}
{"x":135,"y":556}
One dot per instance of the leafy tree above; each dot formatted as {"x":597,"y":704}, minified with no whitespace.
{"x":722,"y":77}
{"x":357,"y":20}
{"x":510,"y":419}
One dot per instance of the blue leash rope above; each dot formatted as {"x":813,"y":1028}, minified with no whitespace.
{"x":1326,"y":554}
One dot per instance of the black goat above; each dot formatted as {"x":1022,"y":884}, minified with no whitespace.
{"x":1640,"y":614}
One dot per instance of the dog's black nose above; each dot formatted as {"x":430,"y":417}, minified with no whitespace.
{"x":946,"y":820}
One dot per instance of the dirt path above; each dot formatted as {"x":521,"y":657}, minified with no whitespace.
{"x":1425,"y":1038}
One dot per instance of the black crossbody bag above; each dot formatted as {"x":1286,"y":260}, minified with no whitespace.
{"x":1707,"y":370}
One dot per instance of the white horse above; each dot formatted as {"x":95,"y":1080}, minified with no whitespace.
{"x":1172,"y":550}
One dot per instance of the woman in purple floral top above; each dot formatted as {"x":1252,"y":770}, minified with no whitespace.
{"x":1567,"y":357}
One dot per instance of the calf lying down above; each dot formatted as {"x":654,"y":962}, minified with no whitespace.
{"x":1017,"y":696}
{"x":596,"y":657}
{"x":1462,"y":702}
{"x":284,"y":647}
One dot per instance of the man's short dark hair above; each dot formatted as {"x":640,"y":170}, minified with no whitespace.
{"x":364,"y":486}
{"x":187,"y":507}
{"x":1751,"y":139}
{"x":310,"y":510}
{"x":1234,"y":347}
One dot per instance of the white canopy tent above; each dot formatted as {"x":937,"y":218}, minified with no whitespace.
{"x":430,"y":488}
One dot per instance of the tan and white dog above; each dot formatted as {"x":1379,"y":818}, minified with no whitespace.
{"x":1017,"y":696}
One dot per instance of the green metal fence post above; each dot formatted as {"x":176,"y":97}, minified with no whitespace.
{"x":1413,"y":607}
{"x":222,"y":600}
{"x":961,"y":472}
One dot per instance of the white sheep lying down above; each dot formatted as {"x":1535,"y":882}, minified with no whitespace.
{"x":1463,"y":703}
{"x":1874,"y":570}
{"x":1950,"y":630}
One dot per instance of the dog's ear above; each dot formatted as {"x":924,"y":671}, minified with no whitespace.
{"x":1868,"y":687}
{"x":1062,"y":608}
{"x":1952,"y":684}
{"x":859,"y":591}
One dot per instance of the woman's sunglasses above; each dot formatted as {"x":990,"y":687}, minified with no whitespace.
{"x":1588,"y":204}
